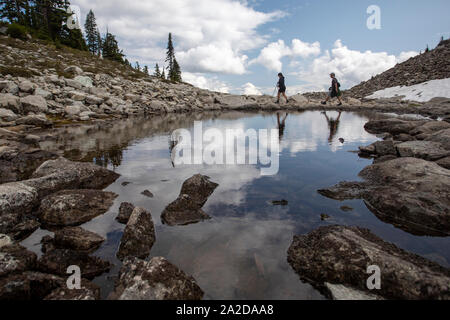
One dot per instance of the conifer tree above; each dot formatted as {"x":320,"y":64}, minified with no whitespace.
{"x":145,"y":70}
{"x":163,"y":75}
{"x":173,"y":68}
{"x":176,"y":72}
{"x":91,"y":30}
{"x":157,"y":71}
{"x":110,"y":48}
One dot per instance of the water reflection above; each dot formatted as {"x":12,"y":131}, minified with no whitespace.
{"x":241,"y":252}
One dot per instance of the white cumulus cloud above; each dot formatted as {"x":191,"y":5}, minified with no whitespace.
{"x":209,"y":35}
{"x":203,"y":82}
{"x":270,"y":56}
{"x":249,"y":89}
{"x":351,"y":66}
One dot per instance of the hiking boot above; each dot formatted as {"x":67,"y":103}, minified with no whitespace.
{"x":278,"y":102}
{"x":340,"y":104}
{"x":324,"y":102}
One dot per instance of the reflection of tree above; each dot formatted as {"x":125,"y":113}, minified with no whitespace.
{"x":333,"y":125}
{"x":281,"y":124}
{"x":113,"y":156}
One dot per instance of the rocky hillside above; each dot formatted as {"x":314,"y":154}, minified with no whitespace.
{"x":432,"y":65}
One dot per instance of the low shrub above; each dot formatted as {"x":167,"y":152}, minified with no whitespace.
{"x":17,"y":31}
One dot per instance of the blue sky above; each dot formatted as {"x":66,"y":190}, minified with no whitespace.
{"x":239,"y":46}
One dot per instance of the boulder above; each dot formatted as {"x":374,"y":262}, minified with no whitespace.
{"x":43,"y":93}
{"x":410,"y":193}
{"x":88,"y":291}
{"x":72,"y":110}
{"x":7,"y":115}
{"x":427,"y":150}
{"x":74,"y":207}
{"x":8,"y":101}
{"x":125,"y":211}
{"x":63,"y":174}
{"x":57,"y":261}
{"x":340,"y":292}
{"x":139,"y":235}
{"x":29,"y":286}
{"x":78,"y":239}
{"x":430,"y":127}
{"x":341,"y":256}
{"x":299,"y":99}
{"x":73,"y":84}
{"x":15,"y":259}
{"x":444,"y":163}
{"x":443,"y":137}
{"x":393,"y":126}
{"x":94,"y":100}
{"x":74,"y":70}
{"x":35,"y":120}
{"x":156,"y":279}
{"x":16,"y":197}
{"x":35,"y":104}
{"x":5,"y":241}
{"x":84,"y":81}
{"x":26,"y":86}
{"x":186,"y":209}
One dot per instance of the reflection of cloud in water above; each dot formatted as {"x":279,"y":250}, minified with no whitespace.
{"x":241,"y":258}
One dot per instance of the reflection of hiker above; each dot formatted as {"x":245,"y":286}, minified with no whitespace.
{"x":172,"y":145}
{"x":334,"y":91}
{"x":281,"y":88}
{"x":333,"y":125}
{"x":281,"y":125}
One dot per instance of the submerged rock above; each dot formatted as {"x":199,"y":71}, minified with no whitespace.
{"x":78,"y":239}
{"x":74,"y":207}
{"x":187,"y":208}
{"x":139,"y":235}
{"x":156,"y":279}
{"x":64,"y":174}
{"x":58,"y":260}
{"x":15,"y":259}
{"x":29,"y":286}
{"x":410,"y":193}
{"x":88,"y":291}
{"x":341,"y":255}
{"x":125,"y":211}
{"x":147,"y":193}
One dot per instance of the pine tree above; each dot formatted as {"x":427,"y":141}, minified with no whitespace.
{"x":145,"y":70}
{"x":91,"y":30}
{"x":110,"y":48}
{"x":138,"y":67}
{"x":173,"y":68}
{"x":176,"y":72}
{"x":99,"y":43}
{"x":163,"y":74}
{"x":157,"y":72}
{"x":170,"y":54}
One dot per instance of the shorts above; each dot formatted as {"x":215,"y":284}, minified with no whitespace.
{"x":282,"y":90}
{"x":334,"y":94}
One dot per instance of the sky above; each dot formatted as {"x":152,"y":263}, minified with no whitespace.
{"x":239,"y":46}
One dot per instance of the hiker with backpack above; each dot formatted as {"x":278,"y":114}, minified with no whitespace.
{"x":281,"y":88}
{"x":334,"y":91}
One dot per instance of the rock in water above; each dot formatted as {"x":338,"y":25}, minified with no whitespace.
{"x":67,"y":174}
{"x":15,"y":259}
{"x":156,"y":279}
{"x":77,"y":239}
{"x":341,"y":255}
{"x":58,"y":260}
{"x":139,"y":235}
{"x":29,"y":286}
{"x":88,"y":291}
{"x":187,"y":208}
{"x":410,"y":193}
{"x":125,"y":211}
{"x":74,"y":207}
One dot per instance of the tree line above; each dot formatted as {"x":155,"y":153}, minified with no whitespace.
{"x":47,"y":20}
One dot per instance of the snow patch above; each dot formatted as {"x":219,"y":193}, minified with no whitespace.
{"x":422,"y":92}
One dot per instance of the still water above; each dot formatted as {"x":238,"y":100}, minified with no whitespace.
{"x":241,"y":252}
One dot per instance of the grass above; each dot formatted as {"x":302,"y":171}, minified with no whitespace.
{"x":18,"y":72}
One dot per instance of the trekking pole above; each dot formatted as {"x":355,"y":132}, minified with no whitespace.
{"x":275,"y":90}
